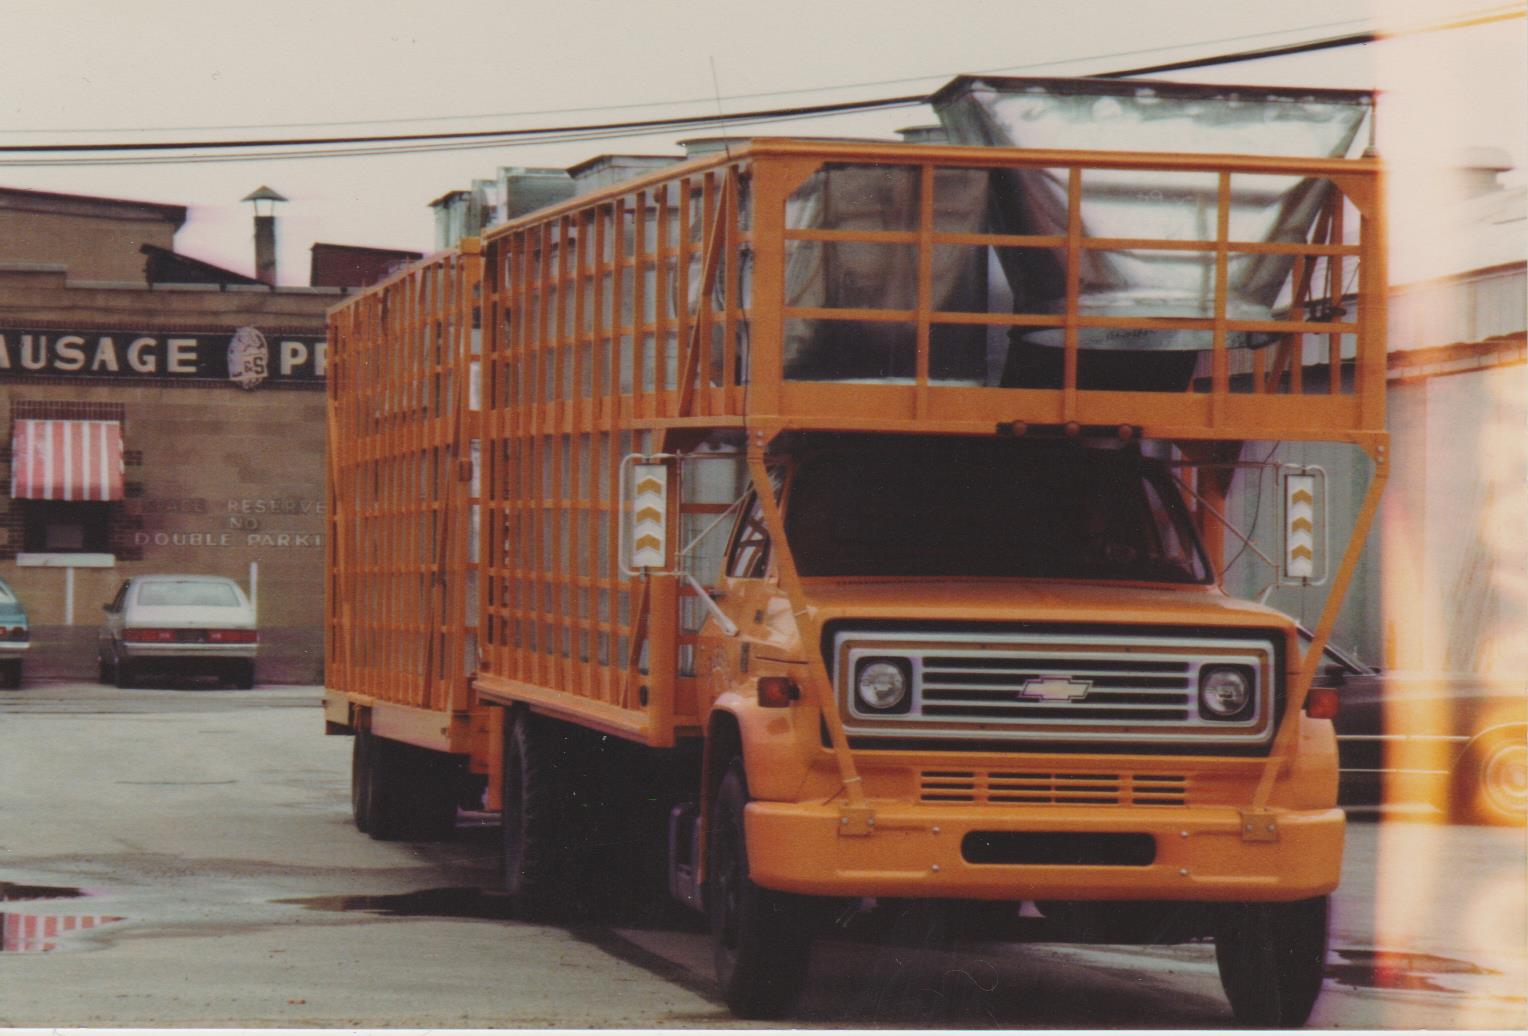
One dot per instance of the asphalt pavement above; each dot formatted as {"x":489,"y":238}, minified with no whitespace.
{"x":185,"y":857}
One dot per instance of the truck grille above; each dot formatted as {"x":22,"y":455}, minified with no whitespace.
{"x":1061,"y":686}
{"x":1130,"y":691}
{"x":982,"y":787}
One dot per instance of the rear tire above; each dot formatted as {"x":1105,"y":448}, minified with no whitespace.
{"x":360,"y":780}
{"x":241,"y":675}
{"x":409,"y":793}
{"x":760,"y":938}
{"x":1272,"y":960}
{"x":10,"y":673}
{"x":125,"y":674}
{"x":535,"y":862}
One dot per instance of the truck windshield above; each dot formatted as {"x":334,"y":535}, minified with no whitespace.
{"x":992,"y":508}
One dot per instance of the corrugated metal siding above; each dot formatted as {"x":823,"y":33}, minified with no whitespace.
{"x":1469,"y":308}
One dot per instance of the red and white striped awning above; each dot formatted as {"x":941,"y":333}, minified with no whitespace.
{"x":66,"y":460}
{"x":40,"y":933}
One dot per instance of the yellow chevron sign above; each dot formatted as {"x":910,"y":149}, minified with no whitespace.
{"x":1300,"y":525}
{"x":649,"y":534}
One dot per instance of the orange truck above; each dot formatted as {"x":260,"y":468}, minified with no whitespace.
{"x":823,"y":521}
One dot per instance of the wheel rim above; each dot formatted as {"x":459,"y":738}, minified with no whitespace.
{"x":1504,"y":779}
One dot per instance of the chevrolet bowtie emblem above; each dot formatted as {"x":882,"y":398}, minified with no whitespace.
{"x":1052,"y":688}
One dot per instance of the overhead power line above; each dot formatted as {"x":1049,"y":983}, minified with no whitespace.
{"x":675,"y":122}
{"x":709,"y":99}
{"x":206,"y":151}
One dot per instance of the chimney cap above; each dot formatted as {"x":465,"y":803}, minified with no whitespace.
{"x":262,"y":193}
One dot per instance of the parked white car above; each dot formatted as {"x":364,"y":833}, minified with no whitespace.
{"x":179,"y":624}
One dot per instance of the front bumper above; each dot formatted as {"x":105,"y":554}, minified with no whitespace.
{"x":916,"y":852}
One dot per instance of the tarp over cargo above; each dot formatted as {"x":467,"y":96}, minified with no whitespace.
{"x":1155,"y":117}
{"x":1141,"y":284}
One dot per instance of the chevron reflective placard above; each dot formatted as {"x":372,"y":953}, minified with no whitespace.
{"x":649,"y":515}
{"x":1300,"y":526}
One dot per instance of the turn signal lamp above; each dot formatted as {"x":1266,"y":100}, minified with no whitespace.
{"x":777,"y":692}
{"x":1322,"y":703}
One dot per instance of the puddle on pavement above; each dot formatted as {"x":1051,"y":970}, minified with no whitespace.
{"x":10,"y":891}
{"x":447,"y":902}
{"x":42,"y":933}
{"x":1391,"y":969}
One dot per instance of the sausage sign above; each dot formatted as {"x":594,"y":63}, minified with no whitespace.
{"x":247,"y":357}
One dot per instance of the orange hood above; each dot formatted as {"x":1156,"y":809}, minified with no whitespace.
{"x":1012,"y":600}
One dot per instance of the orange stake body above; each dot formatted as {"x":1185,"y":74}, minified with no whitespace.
{"x":823,"y":513}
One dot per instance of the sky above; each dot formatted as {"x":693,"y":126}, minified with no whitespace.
{"x":161,"y":70}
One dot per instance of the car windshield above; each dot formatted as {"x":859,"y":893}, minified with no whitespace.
{"x":196,"y":593}
{"x":6,"y":597}
{"x":999,"y":508}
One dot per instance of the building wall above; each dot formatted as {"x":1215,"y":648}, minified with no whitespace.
{"x":219,"y":478}
{"x":1442,"y":585}
{"x":92,"y":247}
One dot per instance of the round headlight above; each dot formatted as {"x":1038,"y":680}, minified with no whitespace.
{"x":881,"y":685}
{"x":1224,"y":693}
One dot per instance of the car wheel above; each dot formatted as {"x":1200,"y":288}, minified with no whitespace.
{"x":241,"y":675}
{"x":1490,"y":784}
{"x":10,"y":672}
{"x":1272,"y":960}
{"x":104,"y":671}
{"x":125,"y":673}
{"x":760,"y":938}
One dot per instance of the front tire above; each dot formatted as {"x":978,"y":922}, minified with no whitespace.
{"x":760,"y":938}
{"x":1272,"y":960}
{"x":1490,"y":784}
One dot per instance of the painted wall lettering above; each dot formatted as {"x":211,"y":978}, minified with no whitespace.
{"x":141,"y":355}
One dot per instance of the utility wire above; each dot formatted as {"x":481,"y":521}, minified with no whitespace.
{"x":389,"y":149}
{"x":412,"y":143}
{"x":676,"y":122}
{"x":712,"y":99}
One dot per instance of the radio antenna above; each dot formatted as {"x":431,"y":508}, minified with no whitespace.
{"x":716,"y":88}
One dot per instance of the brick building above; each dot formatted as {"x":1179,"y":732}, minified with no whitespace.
{"x":157,"y":414}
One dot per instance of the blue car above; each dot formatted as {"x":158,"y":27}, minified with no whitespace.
{"x":15,"y":639}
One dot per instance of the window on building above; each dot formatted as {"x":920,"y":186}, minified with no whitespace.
{"x":62,"y":527}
